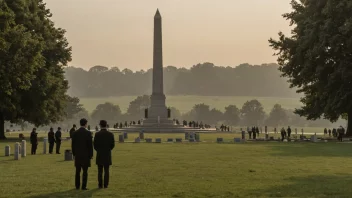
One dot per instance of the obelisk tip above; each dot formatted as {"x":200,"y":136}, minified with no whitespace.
{"x":157,"y":14}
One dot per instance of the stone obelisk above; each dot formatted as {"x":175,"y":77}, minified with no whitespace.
{"x":158,"y":110}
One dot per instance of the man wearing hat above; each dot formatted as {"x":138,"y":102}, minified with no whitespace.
{"x":58,"y":140}
{"x":34,"y":141}
{"x":104,"y":142}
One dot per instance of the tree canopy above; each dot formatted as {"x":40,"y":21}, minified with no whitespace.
{"x":232,"y":115}
{"x":33,"y":52}
{"x":277,"y":116}
{"x":252,"y":113}
{"x":317,"y":57}
{"x":107,"y":111}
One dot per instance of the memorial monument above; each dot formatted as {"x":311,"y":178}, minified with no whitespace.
{"x":157,"y":116}
{"x":157,"y":113}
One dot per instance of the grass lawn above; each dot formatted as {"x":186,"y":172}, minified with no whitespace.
{"x":189,"y":170}
{"x":185,"y":103}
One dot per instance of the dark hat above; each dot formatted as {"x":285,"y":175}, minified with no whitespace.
{"x":59,"y":128}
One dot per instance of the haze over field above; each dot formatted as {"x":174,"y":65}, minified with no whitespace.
{"x":119,"y":32}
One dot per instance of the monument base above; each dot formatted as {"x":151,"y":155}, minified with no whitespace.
{"x":156,"y":122}
{"x":163,"y":127}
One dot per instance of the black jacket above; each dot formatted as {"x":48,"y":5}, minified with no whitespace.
{"x":72,"y":131}
{"x":289,"y":130}
{"x":82,"y":147}
{"x":58,"y":136}
{"x":51,"y":137}
{"x":104,"y":142}
{"x":34,"y":138}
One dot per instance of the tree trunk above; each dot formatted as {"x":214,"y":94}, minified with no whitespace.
{"x":2,"y":127}
{"x":349,"y":124}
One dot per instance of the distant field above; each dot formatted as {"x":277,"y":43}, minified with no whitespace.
{"x":185,"y":103}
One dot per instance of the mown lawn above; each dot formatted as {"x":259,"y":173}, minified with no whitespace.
{"x":189,"y":170}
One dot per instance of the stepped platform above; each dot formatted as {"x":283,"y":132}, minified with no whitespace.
{"x":162,"y":128}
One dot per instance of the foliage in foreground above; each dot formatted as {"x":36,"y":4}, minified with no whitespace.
{"x":33,"y":52}
{"x":317,"y":57}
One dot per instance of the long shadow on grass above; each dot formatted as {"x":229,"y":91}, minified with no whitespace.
{"x":311,"y":150}
{"x":69,"y":193}
{"x":309,"y":186}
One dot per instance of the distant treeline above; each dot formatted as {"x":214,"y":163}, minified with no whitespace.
{"x":202,"y":79}
{"x":251,"y":113}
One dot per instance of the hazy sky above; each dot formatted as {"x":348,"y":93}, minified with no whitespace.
{"x":120,"y":32}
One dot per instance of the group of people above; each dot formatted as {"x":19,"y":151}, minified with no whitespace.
{"x":125,"y":124}
{"x":253,"y":131}
{"x":194,"y":124}
{"x":52,"y":139}
{"x":82,"y":145}
{"x":285,"y":133}
{"x":339,"y":132}
{"x":82,"y":149}
{"x":224,"y":128}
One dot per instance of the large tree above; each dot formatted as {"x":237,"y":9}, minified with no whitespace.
{"x":73,"y":107}
{"x":252,"y":113}
{"x":136,"y":108}
{"x":107,"y":111}
{"x":33,"y":52}
{"x":232,"y":115}
{"x":277,"y":116}
{"x":317,"y":57}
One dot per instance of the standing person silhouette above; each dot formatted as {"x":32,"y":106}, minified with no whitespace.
{"x":72,"y":130}
{"x":34,"y":141}
{"x":51,"y":138}
{"x":104,"y":142}
{"x":82,"y":150}
{"x":58,"y":140}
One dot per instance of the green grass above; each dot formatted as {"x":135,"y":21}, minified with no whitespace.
{"x":189,"y":170}
{"x":185,"y":103}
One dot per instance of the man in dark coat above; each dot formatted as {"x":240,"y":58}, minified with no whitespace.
{"x":51,"y":139}
{"x":72,"y":130}
{"x":289,"y":131}
{"x":334,"y":132}
{"x":82,"y":150}
{"x":257,"y":130}
{"x":254,"y":133}
{"x":104,"y":142}
{"x":249,"y":132}
{"x":58,"y":140}
{"x":34,"y":141}
{"x":341,"y":133}
{"x":283,"y":134}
